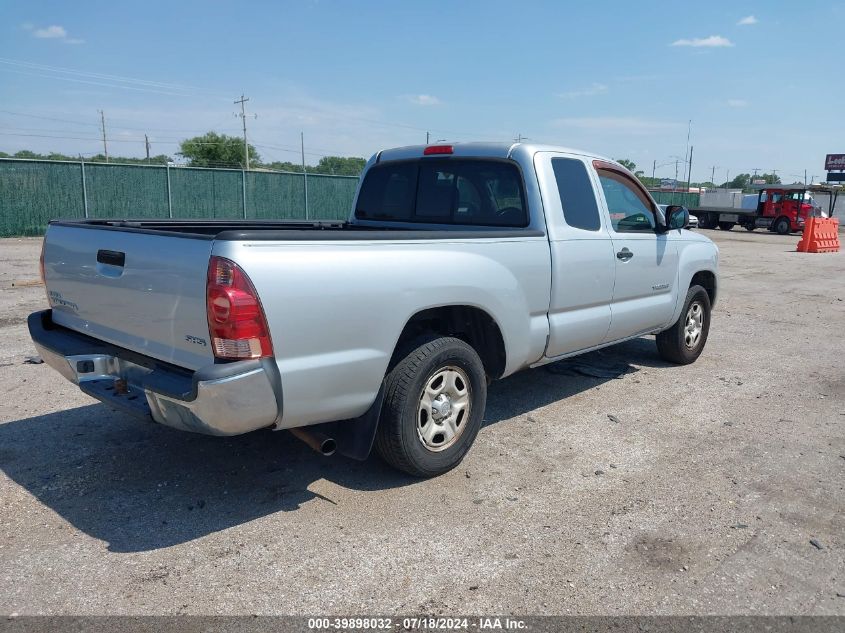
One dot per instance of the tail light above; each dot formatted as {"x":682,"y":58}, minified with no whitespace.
{"x":236,"y":319}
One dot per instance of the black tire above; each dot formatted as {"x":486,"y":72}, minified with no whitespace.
{"x":672,"y":344}
{"x":705,"y":221}
{"x":398,"y":439}
{"x":782,"y":226}
{"x":750,"y":227}
{"x":726,"y":226}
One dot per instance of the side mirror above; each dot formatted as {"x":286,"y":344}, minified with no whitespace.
{"x":677,"y":217}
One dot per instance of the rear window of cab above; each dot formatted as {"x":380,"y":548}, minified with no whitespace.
{"x":464,"y":191}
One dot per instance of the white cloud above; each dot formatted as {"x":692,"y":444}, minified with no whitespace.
{"x":624,"y":125}
{"x":53,"y":32}
{"x":591,"y":91}
{"x":737,"y":103}
{"x":747,"y":21}
{"x":714,"y":41}
{"x":423,"y":100}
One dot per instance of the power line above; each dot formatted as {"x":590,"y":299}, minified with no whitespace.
{"x":83,"y":73}
{"x":47,"y":118}
{"x":112,"y":120}
{"x":97,"y":83}
{"x":110,"y":81}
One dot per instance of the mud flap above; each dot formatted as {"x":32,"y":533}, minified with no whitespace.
{"x":355,"y":437}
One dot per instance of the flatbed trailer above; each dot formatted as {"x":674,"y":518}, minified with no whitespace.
{"x":783,"y":209}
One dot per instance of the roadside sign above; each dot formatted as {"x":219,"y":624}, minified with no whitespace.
{"x":834,"y":162}
{"x":758,"y":181}
{"x":836,"y":176}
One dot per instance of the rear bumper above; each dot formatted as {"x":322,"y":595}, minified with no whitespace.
{"x":220,"y":399}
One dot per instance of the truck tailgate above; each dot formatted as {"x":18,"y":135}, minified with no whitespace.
{"x":140,"y":291}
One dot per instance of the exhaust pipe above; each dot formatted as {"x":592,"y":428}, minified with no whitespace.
{"x":323,"y":444}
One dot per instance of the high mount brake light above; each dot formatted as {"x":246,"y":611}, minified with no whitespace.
{"x":236,"y":320}
{"x":433,"y":150}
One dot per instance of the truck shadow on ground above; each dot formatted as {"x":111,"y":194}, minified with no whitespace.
{"x":142,"y":487}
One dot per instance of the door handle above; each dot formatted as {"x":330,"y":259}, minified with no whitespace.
{"x":624,"y":254}
{"x":113,"y":258}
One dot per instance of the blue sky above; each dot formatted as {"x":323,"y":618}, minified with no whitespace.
{"x":756,"y":78}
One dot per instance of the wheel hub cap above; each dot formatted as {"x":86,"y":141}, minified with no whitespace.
{"x":694,"y":325}
{"x":444,"y":407}
{"x":441,"y":408}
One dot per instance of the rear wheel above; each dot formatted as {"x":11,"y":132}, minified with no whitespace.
{"x":782,"y":226}
{"x":726,"y":226}
{"x":706,"y":221}
{"x":434,"y":403}
{"x":684,"y":341}
{"x":750,"y":227}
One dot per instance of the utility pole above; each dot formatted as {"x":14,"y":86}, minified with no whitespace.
{"x":676,"y":173}
{"x":805,"y":177}
{"x":774,"y":175}
{"x":687,"y":155}
{"x":713,"y":175}
{"x":103,"y":125}
{"x":727,"y":177}
{"x":427,"y":135}
{"x":147,"y":145}
{"x":304,"y":172}
{"x":653,"y":170}
{"x":689,"y":172}
{"x":243,"y":101}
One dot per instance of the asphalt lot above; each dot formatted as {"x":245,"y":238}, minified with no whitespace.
{"x":702,"y":497}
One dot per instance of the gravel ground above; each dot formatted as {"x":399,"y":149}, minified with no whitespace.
{"x":703,"y":494}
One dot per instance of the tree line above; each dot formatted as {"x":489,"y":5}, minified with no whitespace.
{"x":216,"y":150}
{"x":224,"y":151}
{"x":741,"y":181}
{"x":161,"y":159}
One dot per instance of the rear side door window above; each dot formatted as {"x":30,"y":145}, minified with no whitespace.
{"x":580,"y":210}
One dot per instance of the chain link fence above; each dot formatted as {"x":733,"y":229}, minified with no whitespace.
{"x":33,"y":192}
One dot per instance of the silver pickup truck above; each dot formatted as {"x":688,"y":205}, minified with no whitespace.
{"x":459,"y":264}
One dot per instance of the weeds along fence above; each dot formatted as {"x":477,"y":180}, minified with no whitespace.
{"x":33,"y":192}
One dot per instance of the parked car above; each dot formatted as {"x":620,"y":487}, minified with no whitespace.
{"x":459,"y":264}
{"x":693,"y":220}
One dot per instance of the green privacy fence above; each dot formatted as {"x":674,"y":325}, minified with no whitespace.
{"x":33,"y":192}
{"x":689,"y":200}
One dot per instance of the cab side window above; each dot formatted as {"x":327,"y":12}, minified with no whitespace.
{"x":580,"y":210}
{"x":631,"y":210}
